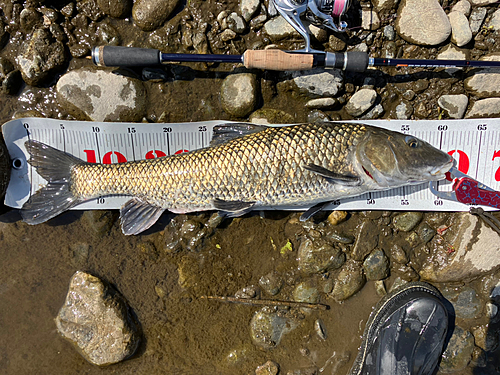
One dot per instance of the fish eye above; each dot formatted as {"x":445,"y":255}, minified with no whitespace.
{"x":412,"y":142}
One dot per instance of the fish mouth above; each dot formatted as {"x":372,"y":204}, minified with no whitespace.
{"x":440,"y":171}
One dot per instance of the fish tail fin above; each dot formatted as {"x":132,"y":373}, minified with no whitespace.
{"x":54,"y":166}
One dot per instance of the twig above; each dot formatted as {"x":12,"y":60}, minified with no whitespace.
{"x":267,"y":302}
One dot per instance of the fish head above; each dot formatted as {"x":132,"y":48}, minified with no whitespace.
{"x":395,"y":159}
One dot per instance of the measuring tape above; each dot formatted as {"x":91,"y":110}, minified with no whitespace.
{"x":474,"y":143}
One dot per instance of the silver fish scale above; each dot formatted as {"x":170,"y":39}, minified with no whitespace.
{"x":265,"y":167}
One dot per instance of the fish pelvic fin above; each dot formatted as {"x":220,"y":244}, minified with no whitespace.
{"x":55,"y":167}
{"x":233,"y":208}
{"x":137,"y":215}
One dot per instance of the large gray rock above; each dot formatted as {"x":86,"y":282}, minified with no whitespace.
{"x":461,"y":33}
{"x":318,"y":82}
{"x":465,"y":301}
{"x":278,"y":28}
{"x":151,"y":14}
{"x":318,"y":257}
{"x":485,"y":108}
{"x":98,"y":94}
{"x":485,"y":83}
{"x":469,"y":250}
{"x":41,"y":55}
{"x":96,"y":320}
{"x":423,"y":22}
{"x":361,"y":102}
{"x":349,"y":281}
{"x":454,"y":105}
{"x":366,"y":239}
{"x":495,"y":21}
{"x":239,"y":94}
{"x":476,"y":19}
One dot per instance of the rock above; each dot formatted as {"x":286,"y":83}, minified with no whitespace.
{"x":278,"y":28}
{"x":407,"y":221}
{"x":398,"y":255}
{"x":485,"y":337}
{"x":268,"y":368}
{"x":461,"y":33}
{"x":271,"y":116}
{"x":485,"y":108}
{"x":403,"y":110}
{"x":375,"y":112}
{"x":79,"y":253}
{"x":376,"y":265}
{"x":10,"y":79}
{"x":380,"y":288}
{"x":321,"y":35}
{"x":473,"y":251}
{"x":366,"y":240}
{"x":450,"y":52}
{"x":321,"y":103}
{"x":319,"y":82}
{"x":99,"y":94}
{"x":41,"y":56}
{"x":268,"y":325}
{"x":369,"y":19}
{"x":337,"y":217}
{"x":462,"y":6}
{"x":306,"y":292}
{"x":271,"y":283}
{"x":115,"y":8}
{"x":476,"y":19}
{"x":389,"y":32}
{"x":248,"y":8}
{"x":425,"y":233}
{"x":335,"y":43}
{"x":239,"y":94}
{"x":236,"y":23}
{"x":454,"y":105}
{"x":494,"y":23}
{"x":349,"y":281}
{"x":317,"y":116}
{"x":484,"y":83}
{"x":89,"y":8}
{"x":227,"y":34}
{"x":482,"y":2}
{"x":4,"y":35}
{"x":361,"y":102}
{"x":423,"y":22}
{"x":458,"y":352}
{"x":95,"y":318}
{"x":151,"y":14}
{"x":465,"y":301}
{"x":314,"y":258}
{"x":99,"y":222}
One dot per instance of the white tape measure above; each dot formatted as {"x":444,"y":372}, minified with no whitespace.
{"x":474,"y":143}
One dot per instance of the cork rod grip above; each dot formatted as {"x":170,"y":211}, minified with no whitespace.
{"x":275,"y":59}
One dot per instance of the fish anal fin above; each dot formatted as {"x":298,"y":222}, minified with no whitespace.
{"x":332,"y":176}
{"x":226,"y":132}
{"x":313,"y":210}
{"x":233,"y":208}
{"x":137,"y":215}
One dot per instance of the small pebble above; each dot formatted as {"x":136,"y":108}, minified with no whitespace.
{"x":337,"y":217}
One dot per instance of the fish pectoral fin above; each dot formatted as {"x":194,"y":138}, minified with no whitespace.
{"x":233,"y":208}
{"x":332,"y":176}
{"x":226,"y":132}
{"x":313,"y":210}
{"x":137,"y":215}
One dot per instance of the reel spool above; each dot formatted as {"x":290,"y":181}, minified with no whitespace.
{"x":318,"y":12}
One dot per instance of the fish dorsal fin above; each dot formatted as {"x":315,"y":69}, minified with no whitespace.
{"x":137,"y":215}
{"x":226,"y":132}
{"x":333,"y":177}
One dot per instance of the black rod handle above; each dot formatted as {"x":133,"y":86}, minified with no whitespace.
{"x":125,"y":56}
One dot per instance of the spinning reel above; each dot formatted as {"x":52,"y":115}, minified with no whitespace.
{"x":318,"y":12}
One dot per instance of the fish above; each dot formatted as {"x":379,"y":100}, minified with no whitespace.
{"x":246,"y":167}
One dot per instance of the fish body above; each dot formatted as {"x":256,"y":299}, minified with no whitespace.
{"x":246,"y":167}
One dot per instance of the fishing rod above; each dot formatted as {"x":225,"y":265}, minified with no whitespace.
{"x":272,"y":59}
{"x":327,"y":13}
